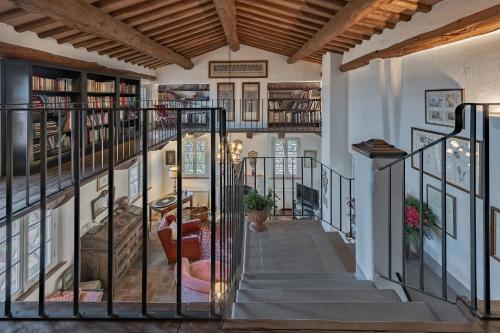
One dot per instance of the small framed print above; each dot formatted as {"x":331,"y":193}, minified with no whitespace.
{"x":434,"y":204}
{"x":102,"y":181}
{"x":440,"y":106}
{"x":225,"y":98}
{"x":308,"y":162}
{"x":170,"y":157}
{"x":251,"y":101}
{"x":495,"y":233}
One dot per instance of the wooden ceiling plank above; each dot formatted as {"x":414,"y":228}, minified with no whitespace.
{"x":34,"y":24}
{"x":351,"y":13}
{"x":265,"y":47}
{"x":226,"y":9}
{"x":187,"y":29}
{"x":73,"y":38}
{"x":210,"y":48}
{"x":140,"y":8}
{"x":12,"y":14}
{"x":171,"y":27}
{"x":92,"y":20}
{"x":111,"y":50}
{"x":138,"y":56}
{"x":473,"y":25}
{"x":89,"y":42}
{"x":283,"y":24}
{"x":305,"y":7}
{"x":20,"y":52}
{"x":203,"y":45}
{"x":54,"y":31}
{"x":186,"y":35}
{"x":282,"y":46}
{"x":278,"y":34}
{"x":119,"y":53}
{"x":272,"y":37}
{"x":106,"y":45}
{"x":391,"y":15}
{"x":198,"y":40}
{"x":414,"y":6}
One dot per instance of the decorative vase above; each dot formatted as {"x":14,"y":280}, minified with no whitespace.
{"x":257,"y":219}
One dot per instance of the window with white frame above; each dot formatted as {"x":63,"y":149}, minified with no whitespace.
{"x":135,"y":180}
{"x":194,"y":157}
{"x":26,"y":252}
{"x":286,"y":151}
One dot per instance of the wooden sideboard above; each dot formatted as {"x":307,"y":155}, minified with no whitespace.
{"x":127,"y":245}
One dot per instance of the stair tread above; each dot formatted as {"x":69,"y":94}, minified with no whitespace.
{"x":306,"y":284}
{"x":342,"y":311}
{"x":324,"y":295}
{"x":294,"y":276}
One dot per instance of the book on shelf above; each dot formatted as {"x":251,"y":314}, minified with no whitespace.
{"x":94,"y":86}
{"x":51,"y":102}
{"x":295,"y":105}
{"x":127,"y":101}
{"x":97,"y":119}
{"x":96,"y":102}
{"x":59,"y":84}
{"x":97,"y":135}
{"x":126,"y":88}
{"x":53,"y":144}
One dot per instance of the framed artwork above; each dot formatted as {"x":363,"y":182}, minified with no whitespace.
{"x":307,"y":161}
{"x":170,"y":157}
{"x":434,"y":203}
{"x":102,"y":181}
{"x":440,"y":106}
{"x":237,"y":69}
{"x":99,"y":205}
{"x":251,"y":101}
{"x":495,"y":233}
{"x":457,"y":158}
{"x":225,"y":98}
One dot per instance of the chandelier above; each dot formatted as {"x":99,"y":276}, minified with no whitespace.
{"x":235,"y":149}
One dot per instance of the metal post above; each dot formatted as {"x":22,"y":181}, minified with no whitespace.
{"x":421,"y":220}
{"x":75,"y":135}
{"x":389,"y":225}
{"x":43,"y":211}
{"x":444,"y":284}
{"x":8,"y":215}
{"x":111,"y":194}
{"x":213,"y":209}
{"x":340,"y":203}
{"x":321,"y":192}
{"x":472,"y":199}
{"x":144,"y":280}
{"x":486,"y":210}
{"x":403,"y":224}
{"x":179,"y":212}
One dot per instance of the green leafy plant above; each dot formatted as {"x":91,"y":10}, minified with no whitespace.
{"x":254,"y":201}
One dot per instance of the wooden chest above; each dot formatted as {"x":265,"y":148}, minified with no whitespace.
{"x":127,"y":247}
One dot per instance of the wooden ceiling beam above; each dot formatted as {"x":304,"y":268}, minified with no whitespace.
{"x":33,"y":24}
{"x":304,"y":7}
{"x":346,"y":18}
{"x":412,"y":5}
{"x":20,"y":52}
{"x":112,"y":49}
{"x":106,"y":45}
{"x":72,"y":37}
{"x":53,"y":32}
{"x":226,"y":9}
{"x":89,"y":42}
{"x":473,"y":25}
{"x":120,"y":53}
{"x":12,"y":14}
{"x":391,"y":15}
{"x":92,"y":20}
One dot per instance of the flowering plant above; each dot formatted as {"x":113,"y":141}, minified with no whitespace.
{"x":412,"y":222}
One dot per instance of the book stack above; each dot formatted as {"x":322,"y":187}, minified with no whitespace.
{"x":51,"y":102}
{"x":126,"y":88}
{"x":94,"y":86}
{"x":97,"y":119}
{"x":127,"y":101}
{"x":60,"y":84}
{"x":99,"y":102}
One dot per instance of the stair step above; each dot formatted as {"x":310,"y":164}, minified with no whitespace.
{"x":296,"y":276}
{"x":342,"y":311}
{"x":306,"y":284}
{"x":308,"y":296}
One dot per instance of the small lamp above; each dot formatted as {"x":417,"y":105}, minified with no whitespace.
{"x":172,"y":173}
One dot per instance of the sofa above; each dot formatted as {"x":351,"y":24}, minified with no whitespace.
{"x":191,"y":239}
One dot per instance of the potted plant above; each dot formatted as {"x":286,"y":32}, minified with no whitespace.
{"x":412,"y":223}
{"x":258,"y":208}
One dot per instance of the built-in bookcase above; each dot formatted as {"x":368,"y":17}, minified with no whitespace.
{"x":294,"y":103}
{"x":59,"y":90}
{"x":187,"y":95}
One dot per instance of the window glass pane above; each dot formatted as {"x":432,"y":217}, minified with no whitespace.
{"x":48,"y":254}
{"x":15,"y":282}
{"x":33,"y":237}
{"x":201,"y":149}
{"x":34,"y":217}
{"x":188,"y":163}
{"x":292,"y":151}
{"x":33,"y":264}
{"x":279,"y":151}
{"x":16,"y":249}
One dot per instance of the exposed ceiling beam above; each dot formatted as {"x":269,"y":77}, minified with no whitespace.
{"x":20,"y":52}
{"x":84,"y":17}
{"x":226,"y":9}
{"x":476,"y":24}
{"x":346,"y":18}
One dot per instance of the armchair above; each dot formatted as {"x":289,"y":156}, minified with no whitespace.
{"x":191,"y":240}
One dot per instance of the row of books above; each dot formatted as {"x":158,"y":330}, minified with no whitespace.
{"x":126,"y":88}
{"x":100,"y":86}
{"x":60,"y":84}
{"x":97,"y":102}
{"x":53,"y":143}
{"x":127,"y":101}
{"x":51,"y":128}
{"x":51,"y":102}
{"x":306,"y":105}
{"x":294,"y":85}
{"x":295,"y":117}
{"x":97,"y":119}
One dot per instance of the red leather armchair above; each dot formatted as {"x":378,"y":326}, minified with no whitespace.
{"x":191,"y":240}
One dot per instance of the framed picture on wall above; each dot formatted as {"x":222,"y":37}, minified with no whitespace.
{"x":102,"y":182}
{"x":434,"y":204}
{"x":308,"y":162}
{"x":170,"y":157}
{"x":250,"y":92}
{"x":225,"y":98}
{"x":440,"y":106}
{"x":495,"y":233}
{"x":240,"y":69}
{"x":457,"y":158}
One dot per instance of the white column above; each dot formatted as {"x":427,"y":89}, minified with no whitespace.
{"x":372,"y":209}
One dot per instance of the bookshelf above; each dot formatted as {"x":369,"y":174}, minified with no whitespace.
{"x":57,"y":89}
{"x":187,"y":95}
{"x":294,"y":104}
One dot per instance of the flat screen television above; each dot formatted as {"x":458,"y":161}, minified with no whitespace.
{"x":308,"y":196}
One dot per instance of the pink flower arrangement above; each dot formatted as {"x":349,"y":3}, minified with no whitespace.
{"x":412,"y":217}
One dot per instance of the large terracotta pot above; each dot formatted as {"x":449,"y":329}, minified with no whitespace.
{"x":258,"y":219}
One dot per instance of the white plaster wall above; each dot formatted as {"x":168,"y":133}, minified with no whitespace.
{"x":386,"y":99}
{"x":31,"y":40}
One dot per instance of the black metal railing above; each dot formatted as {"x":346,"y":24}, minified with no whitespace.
{"x":412,"y":222}
{"x":129,"y":133}
{"x":260,"y":115}
{"x":305,"y":188}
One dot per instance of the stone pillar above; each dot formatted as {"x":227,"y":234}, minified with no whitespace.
{"x":372,"y":209}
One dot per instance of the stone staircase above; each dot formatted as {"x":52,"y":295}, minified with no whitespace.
{"x":296,"y":271}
